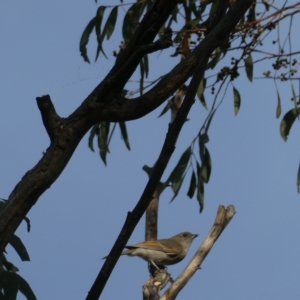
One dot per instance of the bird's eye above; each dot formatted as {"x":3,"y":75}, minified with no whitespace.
{"x":184,"y":235}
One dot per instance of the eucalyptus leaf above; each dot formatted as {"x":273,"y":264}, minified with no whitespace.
{"x":278,"y":108}
{"x":18,"y":245}
{"x":180,"y":168}
{"x":124,"y":134}
{"x":193,"y":185}
{"x":237,"y":100}
{"x":249,"y":67}
{"x":287,"y":122}
{"x":85,"y":39}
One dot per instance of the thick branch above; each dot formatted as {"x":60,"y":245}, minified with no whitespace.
{"x":141,"y":106}
{"x":223,"y":217}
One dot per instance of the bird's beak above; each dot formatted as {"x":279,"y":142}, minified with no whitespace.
{"x":194,"y":236}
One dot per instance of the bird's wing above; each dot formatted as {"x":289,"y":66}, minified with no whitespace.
{"x":171,"y":248}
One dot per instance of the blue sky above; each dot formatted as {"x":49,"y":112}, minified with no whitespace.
{"x":75,"y":223}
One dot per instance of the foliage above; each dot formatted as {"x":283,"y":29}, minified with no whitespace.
{"x":10,"y":281}
{"x":190,"y":22}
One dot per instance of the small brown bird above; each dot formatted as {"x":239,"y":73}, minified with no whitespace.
{"x":163,"y":252}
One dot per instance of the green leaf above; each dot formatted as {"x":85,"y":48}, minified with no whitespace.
{"x":176,"y":187}
{"x":249,"y":67}
{"x":278,"y":108}
{"x":200,"y":194}
{"x":213,"y":62}
{"x":173,"y":17}
{"x":195,"y":11}
{"x":287,"y":122}
{"x":146,"y":65}
{"x":193,"y":185}
{"x":124,"y":134}
{"x":100,"y":36}
{"x":298,"y":179}
{"x":251,"y":15}
{"x":85,"y":39}
{"x":200,"y":189}
{"x":200,"y":92}
{"x":99,"y":19}
{"x":214,"y":7}
{"x":294,"y":98}
{"x":8,"y":265}
{"x":178,"y":171}
{"x":18,"y":245}
{"x":102,"y":140}
{"x":111,"y":22}
{"x":24,"y":287}
{"x":131,"y":20}
{"x":166,"y":108}
{"x":94,"y":131}
{"x":9,"y":285}
{"x":237,"y":100}
{"x":206,"y":165}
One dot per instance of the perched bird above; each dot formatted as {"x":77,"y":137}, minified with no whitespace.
{"x":163,"y":252}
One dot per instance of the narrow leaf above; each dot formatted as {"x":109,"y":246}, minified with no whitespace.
{"x":102,"y":140}
{"x":124,"y":134}
{"x":166,"y":108}
{"x":278,"y":108}
{"x":18,"y":245}
{"x":249,"y":67}
{"x":24,"y":287}
{"x":100,"y":36}
{"x":94,"y":131}
{"x":111,"y":22}
{"x":287,"y":122}
{"x":298,"y":180}
{"x":295,"y":98}
{"x":146,"y":65}
{"x":8,"y":265}
{"x":99,"y":19}
{"x":200,"y":194}
{"x":216,"y":57}
{"x":237,"y":100}
{"x":85,"y":39}
{"x":200,"y":189}
{"x":200,"y":92}
{"x":193,"y":186}
{"x":176,"y":187}
{"x":131,"y":20}
{"x":252,"y":15}
{"x":178,"y":171}
{"x":9,"y":285}
{"x":206,"y":165}
{"x":214,"y":8}
{"x":173,"y":17}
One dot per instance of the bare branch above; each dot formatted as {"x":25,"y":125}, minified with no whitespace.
{"x":223,"y":217}
{"x":49,"y":115}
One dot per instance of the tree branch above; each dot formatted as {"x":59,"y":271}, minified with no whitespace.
{"x":49,"y":115}
{"x":134,"y":217}
{"x":223,"y":217}
{"x":103,"y":104}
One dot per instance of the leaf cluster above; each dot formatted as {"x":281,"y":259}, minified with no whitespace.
{"x":10,"y":281}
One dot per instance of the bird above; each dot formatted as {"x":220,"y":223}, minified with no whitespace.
{"x":164,"y":251}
